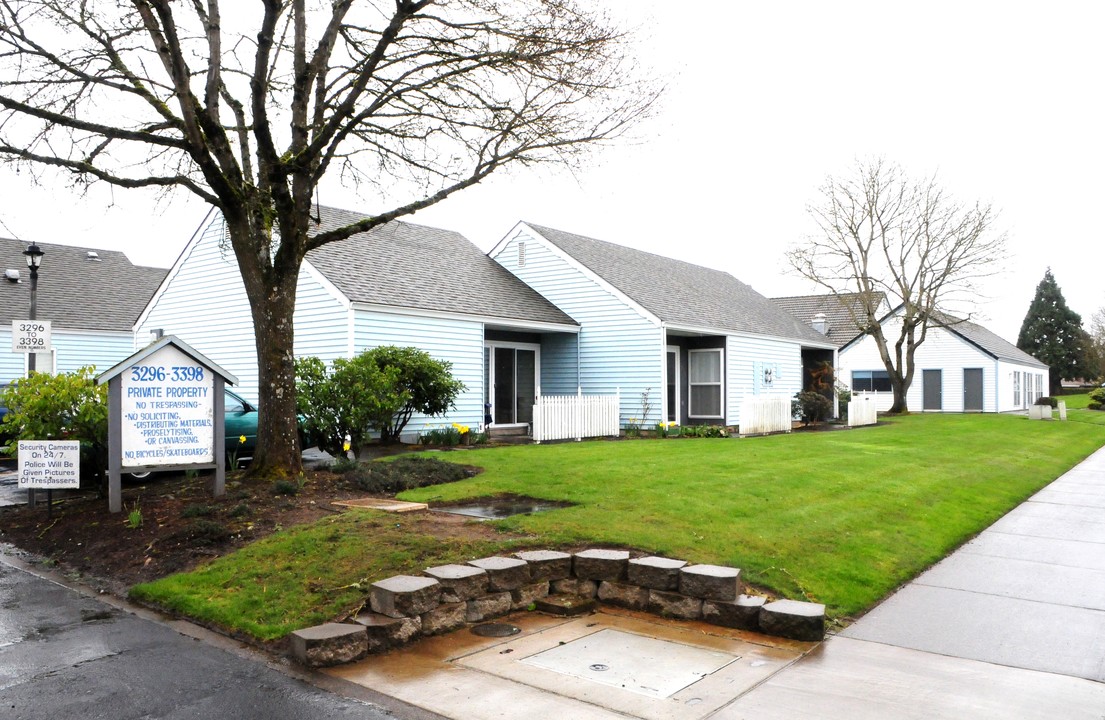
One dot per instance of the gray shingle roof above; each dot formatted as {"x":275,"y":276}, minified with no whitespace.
{"x":75,"y":292}
{"x":681,"y":293}
{"x":841,"y":328}
{"x":992,"y":344}
{"x":404,"y":265}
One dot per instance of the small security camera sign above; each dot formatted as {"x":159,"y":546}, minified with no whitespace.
{"x":49,"y":464}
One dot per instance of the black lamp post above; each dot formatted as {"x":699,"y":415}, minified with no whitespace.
{"x":34,"y":255}
{"x":34,"y":259}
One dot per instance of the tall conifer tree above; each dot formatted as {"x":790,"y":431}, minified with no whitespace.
{"x":1052,"y":333}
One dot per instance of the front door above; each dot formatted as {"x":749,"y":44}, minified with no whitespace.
{"x":972,"y":389}
{"x":511,"y":383}
{"x":932,"y":385}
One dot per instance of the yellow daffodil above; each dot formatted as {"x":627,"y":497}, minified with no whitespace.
{"x":345,"y":446}
{"x":242,"y":440}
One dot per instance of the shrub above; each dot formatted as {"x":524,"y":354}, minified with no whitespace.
{"x":448,"y":436}
{"x":66,"y":406}
{"x":285,"y":487}
{"x":427,"y":385}
{"x":1045,"y":400}
{"x":194,"y":511}
{"x":379,"y":390}
{"x":405,"y":473}
{"x":343,"y":401}
{"x":208,"y":532}
{"x":812,"y":407}
{"x":704,"y":431}
{"x":1097,"y":399}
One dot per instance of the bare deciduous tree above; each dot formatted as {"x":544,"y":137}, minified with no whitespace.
{"x":885,"y":234}
{"x":249,"y":107}
{"x":1094,"y":342}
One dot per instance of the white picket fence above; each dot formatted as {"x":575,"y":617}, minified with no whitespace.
{"x":574,"y":417}
{"x":765,"y":414}
{"x":862,"y":410}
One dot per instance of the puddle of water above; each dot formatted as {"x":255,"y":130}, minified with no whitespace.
{"x":498,"y":508}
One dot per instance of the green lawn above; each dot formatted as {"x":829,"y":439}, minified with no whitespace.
{"x":1078,"y":401}
{"x":308,"y":574}
{"x":839,"y":517}
{"x":1077,"y":412}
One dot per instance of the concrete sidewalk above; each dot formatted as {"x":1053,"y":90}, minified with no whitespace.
{"x":1010,"y":625}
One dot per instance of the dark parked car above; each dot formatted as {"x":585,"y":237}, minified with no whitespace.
{"x":241,"y":422}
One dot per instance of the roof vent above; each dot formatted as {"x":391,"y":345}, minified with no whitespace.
{"x":820,"y":323}
{"x":11,"y":275}
{"x":94,"y":256}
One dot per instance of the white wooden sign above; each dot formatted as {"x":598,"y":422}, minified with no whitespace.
{"x":31,"y":336}
{"x":167,"y":411}
{"x":49,"y":464}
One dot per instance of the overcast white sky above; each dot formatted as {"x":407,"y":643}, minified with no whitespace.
{"x":1003,"y":100}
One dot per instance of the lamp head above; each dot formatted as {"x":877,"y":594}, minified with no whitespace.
{"x":34,"y":255}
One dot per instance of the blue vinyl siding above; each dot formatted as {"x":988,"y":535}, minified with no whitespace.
{"x":72,"y":351}
{"x":75,"y":350}
{"x":558,"y":363}
{"x":459,"y":342}
{"x":321,"y":320}
{"x":746,"y":358}
{"x":619,"y":348}
{"x":205,"y":305}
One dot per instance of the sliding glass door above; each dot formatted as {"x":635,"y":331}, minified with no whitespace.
{"x":511,"y":382}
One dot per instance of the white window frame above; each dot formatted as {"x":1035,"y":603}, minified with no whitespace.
{"x":52,"y":368}
{"x":720,"y":384}
{"x":678,"y":382}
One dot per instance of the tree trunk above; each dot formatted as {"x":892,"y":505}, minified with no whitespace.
{"x":900,"y":406}
{"x":271,"y":290}
{"x":278,"y":453}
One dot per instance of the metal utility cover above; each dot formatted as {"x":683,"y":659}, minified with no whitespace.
{"x":643,"y":665}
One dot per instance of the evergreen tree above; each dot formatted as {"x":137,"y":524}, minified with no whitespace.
{"x":1052,"y":333}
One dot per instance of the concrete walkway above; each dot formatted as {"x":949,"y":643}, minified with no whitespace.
{"x":1010,"y":625}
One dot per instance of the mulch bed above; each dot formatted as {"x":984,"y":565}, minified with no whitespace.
{"x":182,"y":525}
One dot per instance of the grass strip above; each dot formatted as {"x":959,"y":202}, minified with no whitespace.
{"x":307,"y":574}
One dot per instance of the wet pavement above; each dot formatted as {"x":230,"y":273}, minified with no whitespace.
{"x":10,"y":494}
{"x":612,"y":664}
{"x":64,"y":654}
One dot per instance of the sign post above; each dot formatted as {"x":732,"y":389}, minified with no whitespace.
{"x":32,"y":336}
{"x":165,"y":412}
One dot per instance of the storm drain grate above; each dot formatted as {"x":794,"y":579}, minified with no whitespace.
{"x":496,"y":630}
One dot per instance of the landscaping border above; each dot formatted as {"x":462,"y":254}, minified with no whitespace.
{"x":448,"y":597}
